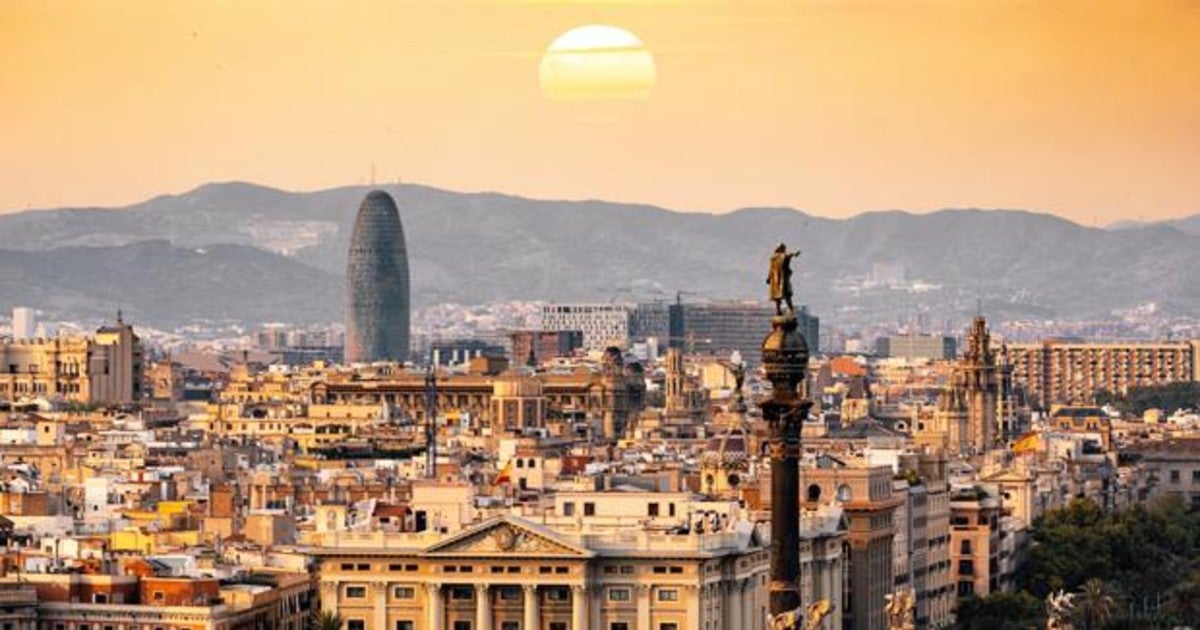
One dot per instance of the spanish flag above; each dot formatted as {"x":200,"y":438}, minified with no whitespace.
{"x":1029,"y":443}
{"x":505,"y":475}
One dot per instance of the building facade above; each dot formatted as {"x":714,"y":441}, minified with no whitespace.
{"x":916,"y":347}
{"x":377,"y":284}
{"x":511,"y":573}
{"x":103,"y":369}
{"x":1057,"y":372}
{"x":719,"y":328}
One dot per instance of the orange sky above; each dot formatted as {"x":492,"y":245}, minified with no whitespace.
{"x":1089,"y":109}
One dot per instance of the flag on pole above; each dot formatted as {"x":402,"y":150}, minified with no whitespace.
{"x":505,"y":475}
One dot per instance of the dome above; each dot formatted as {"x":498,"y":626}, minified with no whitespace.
{"x":728,"y":450}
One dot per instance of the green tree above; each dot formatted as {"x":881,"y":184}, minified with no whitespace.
{"x":1000,"y":611}
{"x":325,"y":620}
{"x":1094,"y":605}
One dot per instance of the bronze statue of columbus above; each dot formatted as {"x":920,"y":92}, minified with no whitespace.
{"x":780,"y":278}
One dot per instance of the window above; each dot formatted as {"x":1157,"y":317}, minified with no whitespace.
{"x":347,"y":566}
{"x":966,"y":567}
{"x":356,"y":624}
{"x":676,"y":569}
{"x":668,"y":626}
{"x":99,"y":598}
{"x":510,"y":593}
{"x":462,"y":625}
{"x":966,"y":547}
{"x":618,"y":594}
{"x":404,"y":592}
{"x":557,"y":593}
{"x":462,"y":592}
{"x":651,"y":509}
{"x":569,"y":508}
{"x":1196,"y":476}
{"x":158,"y":596}
{"x":1174,"y":476}
{"x":618,"y":625}
{"x":510,"y":625}
{"x":356,"y":592}
{"x":668,"y":595}
{"x":405,"y":625}
{"x":589,"y":509}
{"x":558,"y":625}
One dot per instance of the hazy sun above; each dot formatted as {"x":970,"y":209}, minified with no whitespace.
{"x":597,"y":62}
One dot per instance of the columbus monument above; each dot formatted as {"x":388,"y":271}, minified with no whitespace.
{"x":785,"y":359}
{"x":377,"y":291}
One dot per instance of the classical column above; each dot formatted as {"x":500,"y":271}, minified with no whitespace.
{"x":433,"y":603}
{"x":381,"y":593}
{"x":733,"y":611}
{"x":579,"y":607}
{"x":643,"y":606}
{"x":483,"y":607}
{"x":693,"y":606}
{"x":531,"y":608}
{"x":785,"y":358}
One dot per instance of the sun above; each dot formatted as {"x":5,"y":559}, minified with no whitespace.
{"x":597,"y":62}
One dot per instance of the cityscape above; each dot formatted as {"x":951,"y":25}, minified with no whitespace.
{"x":345,"y":401}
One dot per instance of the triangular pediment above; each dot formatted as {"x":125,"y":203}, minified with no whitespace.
{"x":507,"y":536}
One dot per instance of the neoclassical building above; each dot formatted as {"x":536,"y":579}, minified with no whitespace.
{"x":511,"y":573}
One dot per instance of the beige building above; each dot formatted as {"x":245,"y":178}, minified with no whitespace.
{"x":1072,"y":373}
{"x":512,"y":573}
{"x":103,"y":369}
{"x":865,"y":494}
{"x":1173,"y":468}
{"x":975,"y":541}
{"x":922,"y":549}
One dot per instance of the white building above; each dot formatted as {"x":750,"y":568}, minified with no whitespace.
{"x":602,"y":325}
{"x":24,"y":323}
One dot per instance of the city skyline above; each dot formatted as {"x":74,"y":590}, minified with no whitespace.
{"x":1084,"y":110}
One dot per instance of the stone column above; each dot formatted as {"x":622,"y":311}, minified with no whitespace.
{"x":381,"y":596}
{"x":531,"y":608}
{"x":693,"y":593}
{"x":433,"y":603}
{"x":643,"y":607}
{"x":733,"y":612}
{"x":483,"y":607}
{"x":579,"y":607}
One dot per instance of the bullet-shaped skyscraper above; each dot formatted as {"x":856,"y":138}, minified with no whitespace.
{"x":377,"y":291}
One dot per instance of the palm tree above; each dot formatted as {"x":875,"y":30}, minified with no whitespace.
{"x":325,"y":620}
{"x":1095,"y":604}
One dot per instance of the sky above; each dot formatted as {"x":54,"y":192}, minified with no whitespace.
{"x":1088,"y":109}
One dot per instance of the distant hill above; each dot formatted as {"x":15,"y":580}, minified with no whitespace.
{"x":275,"y":255}
{"x":1189,"y":224}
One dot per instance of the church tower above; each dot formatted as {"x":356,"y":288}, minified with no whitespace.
{"x":981,"y":387}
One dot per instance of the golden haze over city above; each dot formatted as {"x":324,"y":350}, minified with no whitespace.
{"x":1086,"y":109}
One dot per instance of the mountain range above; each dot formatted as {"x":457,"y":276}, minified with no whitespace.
{"x":248,"y":253}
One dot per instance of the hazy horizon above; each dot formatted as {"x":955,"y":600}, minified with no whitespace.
{"x":1086,"y":110}
{"x":713,"y":211}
